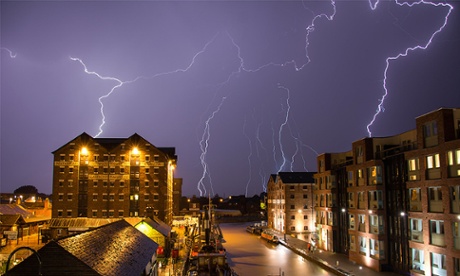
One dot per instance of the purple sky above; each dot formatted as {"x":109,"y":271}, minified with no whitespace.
{"x":208,"y":79}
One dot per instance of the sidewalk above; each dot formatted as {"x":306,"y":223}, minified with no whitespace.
{"x":333,"y":262}
{"x":30,"y":241}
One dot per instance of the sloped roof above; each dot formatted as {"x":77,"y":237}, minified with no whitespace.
{"x":114,"y":249}
{"x":9,"y":220}
{"x":14,"y":209}
{"x":155,"y":223}
{"x":296,"y":177}
{"x":79,"y":222}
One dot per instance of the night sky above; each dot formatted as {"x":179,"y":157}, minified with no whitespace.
{"x":242,"y":89}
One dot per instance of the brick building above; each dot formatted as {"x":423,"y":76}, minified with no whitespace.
{"x":400,"y":207}
{"x":290,"y":203}
{"x":113,"y":178}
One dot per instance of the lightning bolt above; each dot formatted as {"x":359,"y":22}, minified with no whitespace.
{"x":12,"y":55}
{"x":121,"y":83}
{"x":390,"y":59}
{"x":280,"y":131}
{"x":249,"y":157}
{"x":204,"y":143}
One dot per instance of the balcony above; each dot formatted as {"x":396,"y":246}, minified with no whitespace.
{"x":375,"y":229}
{"x":415,"y":206}
{"x":438,"y":239}
{"x":416,"y":236}
{"x":375,"y":204}
{"x":433,"y":173}
{"x":436,"y":206}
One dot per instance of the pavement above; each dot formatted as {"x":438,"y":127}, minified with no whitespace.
{"x":334,"y":262}
{"x":31,"y":241}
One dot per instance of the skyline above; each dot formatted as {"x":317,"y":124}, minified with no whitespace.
{"x":242,"y":90}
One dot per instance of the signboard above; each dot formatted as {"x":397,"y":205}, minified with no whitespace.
{"x":11,"y":235}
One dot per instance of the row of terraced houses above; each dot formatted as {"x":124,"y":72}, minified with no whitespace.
{"x":390,"y":203}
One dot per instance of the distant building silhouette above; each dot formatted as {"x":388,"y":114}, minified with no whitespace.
{"x":113,"y":178}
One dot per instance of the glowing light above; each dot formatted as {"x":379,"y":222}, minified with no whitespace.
{"x":84,"y":151}
{"x":135,"y":151}
{"x":380,"y":107}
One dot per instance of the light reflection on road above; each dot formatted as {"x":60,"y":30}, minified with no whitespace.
{"x":250,"y":255}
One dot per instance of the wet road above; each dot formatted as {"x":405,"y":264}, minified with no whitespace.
{"x":249,"y":255}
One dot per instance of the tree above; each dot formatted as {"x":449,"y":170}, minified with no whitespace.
{"x":26,"y":189}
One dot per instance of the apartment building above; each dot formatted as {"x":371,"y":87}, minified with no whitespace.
{"x":290,"y":207}
{"x":331,"y":200}
{"x":433,"y":189}
{"x":402,"y":207}
{"x":113,"y":178}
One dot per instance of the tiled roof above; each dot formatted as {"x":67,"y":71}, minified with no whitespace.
{"x":114,"y":249}
{"x":297,"y":177}
{"x":9,"y":220}
{"x":14,"y":209}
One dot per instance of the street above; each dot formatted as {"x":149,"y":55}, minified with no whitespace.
{"x":248,"y":254}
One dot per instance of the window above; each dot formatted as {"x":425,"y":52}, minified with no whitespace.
{"x":95,"y":183}
{"x":121,"y":197}
{"x":112,"y":184}
{"x":61,"y":196}
{"x":305,"y":228}
{"x":155,"y":183}
{"x":112,"y":197}
{"x":292,"y":196}
{"x":156,"y":170}
{"x":60,"y":213}
{"x":417,"y":257}
{"x":61,"y":182}
{"x":146,"y":183}
{"x":96,"y":170}
{"x":69,"y":196}
{"x":104,"y":197}
{"x":69,"y":213}
{"x":146,"y":197}
{"x":70,"y":169}
{"x":70,"y":183}
{"x":430,"y":129}
{"x":94,"y":213}
{"x":122,"y":183}
{"x":432,"y":161}
{"x":94,"y":197}
{"x":305,"y":196}
{"x":147,"y":171}
{"x":120,"y":213}
{"x":351,"y":219}
{"x":305,"y":217}
{"x":292,"y":217}
{"x":156,"y":197}
{"x":292,"y":228}
{"x":362,"y":245}
{"x":147,"y":158}
{"x":292,"y":207}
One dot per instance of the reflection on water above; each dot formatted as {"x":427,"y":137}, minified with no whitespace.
{"x":250,"y":255}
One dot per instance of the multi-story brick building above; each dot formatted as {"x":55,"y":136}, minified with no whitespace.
{"x":113,"y":178}
{"x":290,"y":203}
{"x":433,"y":190}
{"x":331,"y":200}
{"x":402,"y":206}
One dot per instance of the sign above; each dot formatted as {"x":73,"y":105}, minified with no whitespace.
{"x":11,"y":235}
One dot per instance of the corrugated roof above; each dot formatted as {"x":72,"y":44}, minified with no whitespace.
{"x":80,"y":222}
{"x":14,"y":209}
{"x":297,"y":177}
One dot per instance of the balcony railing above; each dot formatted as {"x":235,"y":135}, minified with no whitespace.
{"x":436,"y":206}
{"x":438,"y":239}
{"x":415,"y":206}
{"x":416,"y":236}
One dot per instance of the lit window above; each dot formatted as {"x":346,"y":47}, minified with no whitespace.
{"x":432,"y":161}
